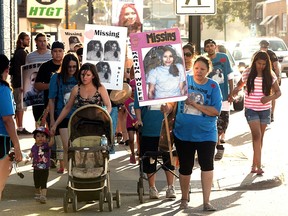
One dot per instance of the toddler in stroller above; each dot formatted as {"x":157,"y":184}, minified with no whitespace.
{"x":90,"y":136}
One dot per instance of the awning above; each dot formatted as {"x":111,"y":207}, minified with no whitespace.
{"x":271,"y":20}
{"x":265,"y":20}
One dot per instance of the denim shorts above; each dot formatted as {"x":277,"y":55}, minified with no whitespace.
{"x":263,"y":116}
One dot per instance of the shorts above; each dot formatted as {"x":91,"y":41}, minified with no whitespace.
{"x":131,"y":129}
{"x":38,"y":111}
{"x":263,"y":116}
{"x":5,"y":146}
{"x":222,"y":122}
{"x":63,"y":123}
{"x":186,"y":153}
{"x":17,"y":98}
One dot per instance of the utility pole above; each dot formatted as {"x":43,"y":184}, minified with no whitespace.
{"x":195,"y":32}
{"x":90,"y":11}
{"x":66,"y":14}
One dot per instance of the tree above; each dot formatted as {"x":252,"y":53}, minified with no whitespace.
{"x":228,"y":11}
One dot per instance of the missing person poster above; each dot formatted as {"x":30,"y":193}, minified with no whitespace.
{"x":105,"y":46}
{"x":71,"y":37}
{"x":31,"y":96}
{"x":129,"y":14}
{"x":159,"y":66}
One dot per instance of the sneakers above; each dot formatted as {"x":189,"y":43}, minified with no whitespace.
{"x":132,"y":159}
{"x":37,"y":197}
{"x":220,"y":152}
{"x":170,"y":192}
{"x":60,"y":170}
{"x":23,"y":132}
{"x":43,"y":199}
{"x":153,"y":193}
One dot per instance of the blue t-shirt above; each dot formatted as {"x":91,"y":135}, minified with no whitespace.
{"x":61,"y":92}
{"x":151,"y":117}
{"x":7,"y":106}
{"x":193,"y":125}
{"x":220,"y":71}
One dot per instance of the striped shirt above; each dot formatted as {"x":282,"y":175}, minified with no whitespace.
{"x":34,"y":57}
{"x":253,"y":100}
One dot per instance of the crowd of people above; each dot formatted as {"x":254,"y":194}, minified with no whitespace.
{"x":68,"y":84}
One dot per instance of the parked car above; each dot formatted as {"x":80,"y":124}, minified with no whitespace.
{"x":245,"y":49}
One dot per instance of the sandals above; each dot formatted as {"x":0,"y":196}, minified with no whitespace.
{"x":184,"y":204}
{"x":208,"y":207}
{"x":258,"y":171}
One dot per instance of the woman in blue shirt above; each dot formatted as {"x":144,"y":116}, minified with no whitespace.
{"x":196,"y":130}
{"x":60,"y":88}
{"x":8,"y":135}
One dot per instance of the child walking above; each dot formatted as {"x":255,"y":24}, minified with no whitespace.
{"x":130,"y":122}
{"x":40,"y":153}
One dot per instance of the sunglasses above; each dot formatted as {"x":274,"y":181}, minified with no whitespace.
{"x":188,"y":54}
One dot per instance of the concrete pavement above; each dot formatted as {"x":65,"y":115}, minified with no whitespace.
{"x":231,"y":173}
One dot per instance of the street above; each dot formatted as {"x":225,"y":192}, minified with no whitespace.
{"x":235,"y":190}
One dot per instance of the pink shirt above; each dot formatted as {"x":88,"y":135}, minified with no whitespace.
{"x":253,"y":100}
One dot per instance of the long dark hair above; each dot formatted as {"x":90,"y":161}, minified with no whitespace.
{"x":92,"y":68}
{"x":136,"y":26}
{"x":21,"y":36}
{"x":4,"y":64}
{"x":267,"y":77}
{"x":173,"y":69}
{"x":65,"y":64}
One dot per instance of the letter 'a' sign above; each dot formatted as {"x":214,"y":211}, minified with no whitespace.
{"x":196,"y":7}
{"x":46,"y":9}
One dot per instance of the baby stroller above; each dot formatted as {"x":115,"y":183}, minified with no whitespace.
{"x":88,"y":170}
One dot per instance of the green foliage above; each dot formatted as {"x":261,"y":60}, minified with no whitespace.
{"x":228,"y":11}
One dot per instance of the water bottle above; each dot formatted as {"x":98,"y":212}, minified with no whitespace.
{"x":104,"y":141}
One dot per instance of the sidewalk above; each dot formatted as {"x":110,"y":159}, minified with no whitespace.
{"x":231,"y":178}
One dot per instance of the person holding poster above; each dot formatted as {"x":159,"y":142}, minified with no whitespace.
{"x":194,"y":132}
{"x":150,"y":122}
{"x":168,"y":78}
{"x":95,"y":50}
{"x":129,"y":18}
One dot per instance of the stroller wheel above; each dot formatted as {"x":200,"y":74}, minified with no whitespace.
{"x":118,"y":199}
{"x":110,"y":201}
{"x":101,"y":201}
{"x":141,"y":195}
{"x":74,"y":202}
{"x":65,"y":202}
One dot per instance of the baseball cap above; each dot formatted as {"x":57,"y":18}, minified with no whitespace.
{"x":209,"y":41}
{"x":264,"y":43}
{"x":41,"y":130}
{"x":57,"y":44}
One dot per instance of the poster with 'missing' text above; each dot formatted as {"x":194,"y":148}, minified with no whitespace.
{"x":159,"y":66}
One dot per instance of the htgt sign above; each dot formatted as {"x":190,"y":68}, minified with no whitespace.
{"x":48,"y":9}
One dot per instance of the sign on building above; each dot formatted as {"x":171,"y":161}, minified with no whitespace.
{"x":46,"y":9}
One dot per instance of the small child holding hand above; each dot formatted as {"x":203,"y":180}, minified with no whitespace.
{"x":40,"y":153}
